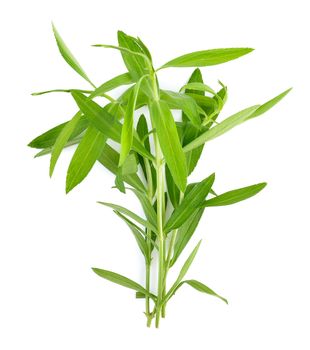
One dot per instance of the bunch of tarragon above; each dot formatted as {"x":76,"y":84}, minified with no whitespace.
{"x":156,"y":155}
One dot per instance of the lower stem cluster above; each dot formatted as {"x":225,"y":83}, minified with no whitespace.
{"x":164,"y":258}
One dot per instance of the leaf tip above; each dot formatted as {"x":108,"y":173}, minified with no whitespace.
{"x":225,"y":301}
{"x":30,"y":144}
{"x":54,"y":29}
{"x":263,"y":185}
{"x":287,"y":91}
{"x":95,"y":270}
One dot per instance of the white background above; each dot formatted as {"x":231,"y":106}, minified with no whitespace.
{"x":255,"y":253}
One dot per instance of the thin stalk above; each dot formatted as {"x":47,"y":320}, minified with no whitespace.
{"x":169,"y":257}
{"x":160,"y":213}
{"x":161,"y":239}
{"x":149,"y":244}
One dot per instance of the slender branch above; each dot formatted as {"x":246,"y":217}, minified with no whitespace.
{"x":169,"y":256}
{"x":149,"y":243}
{"x":161,"y":241}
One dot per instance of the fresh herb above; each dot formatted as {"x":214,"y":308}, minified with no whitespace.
{"x":156,"y":157}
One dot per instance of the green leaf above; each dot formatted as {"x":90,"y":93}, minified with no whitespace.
{"x":48,"y":150}
{"x":181,"y":101}
{"x":148,"y":209}
{"x":183,"y":271}
{"x":207,"y":57}
{"x":119,"y":183}
{"x":144,"y":48}
{"x":190,"y":132}
{"x":105,"y":122}
{"x":130,"y":165}
{"x":221,"y":128}
{"x":121,"y":280}
{"x":132,"y":215}
{"x":208,"y":104}
{"x":63,"y":138}
{"x":60,"y":90}
{"x":235,"y":196}
{"x":197,"y":86}
{"x":169,"y":141}
{"x":268,"y":105}
{"x":185,"y":232}
{"x":109,"y":158}
{"x":68,"y":56}
{"x":203,"y":289}
{"x":190,"y":203}
{"x":192,"y":157}
{"x":48,"y":138}
{"x":173,"y":191}
{"x":85,"y":156}
{"x":128,"y":127}
{"x":122,"y":79}
{"x":142,"y":99}
{"x":136,"y":65}
{"x":142,"y":130}
{"x":137,"y":235}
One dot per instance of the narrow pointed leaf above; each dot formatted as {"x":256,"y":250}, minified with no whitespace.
{"x":207,"y":103}
{"x":144,"y":48}
{"x":183,"y":271}
{"x":136,"y":65}
{"x":63,"y":138}
{"x":48,"y":138}
{"x":122,"y":79}
{"x":119,"y":183}
{"x":207,"y":57}
{"x":268,"y":105}
{"x":148,"y":209}
{"x":221,"y":128}
{"x":190,"y":132}
{"x":173,"y":191}
{"x":169,"y":141}
{"x":121,"y":280}
{"x":203,"y":289}
{"x":49,"y":150}
{"x":109,"y":158}
{"x":136,"y":233}
{"x":68,"y":56}
{"x":128,"y":127}
{"x":85,"y":156}
{"x":190,"y":203}
{"x":129,"y":213}
{"x":235,"y":196}
{"x":142,"y":130}
{"x":198,"y":87}
{"x":186,"y":103}
{"x":61,"y":90}
{"x":185,"y":232}
{"x":105,"y":122}
{"x":192,"y":157}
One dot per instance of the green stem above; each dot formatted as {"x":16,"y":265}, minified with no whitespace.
{"x":168,"y":259}
{"x":148,"y":242}
{"x":161,"y":239}
{"x":160,"y":213}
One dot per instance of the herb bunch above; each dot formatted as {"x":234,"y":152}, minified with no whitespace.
{"x":156,"y":155}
